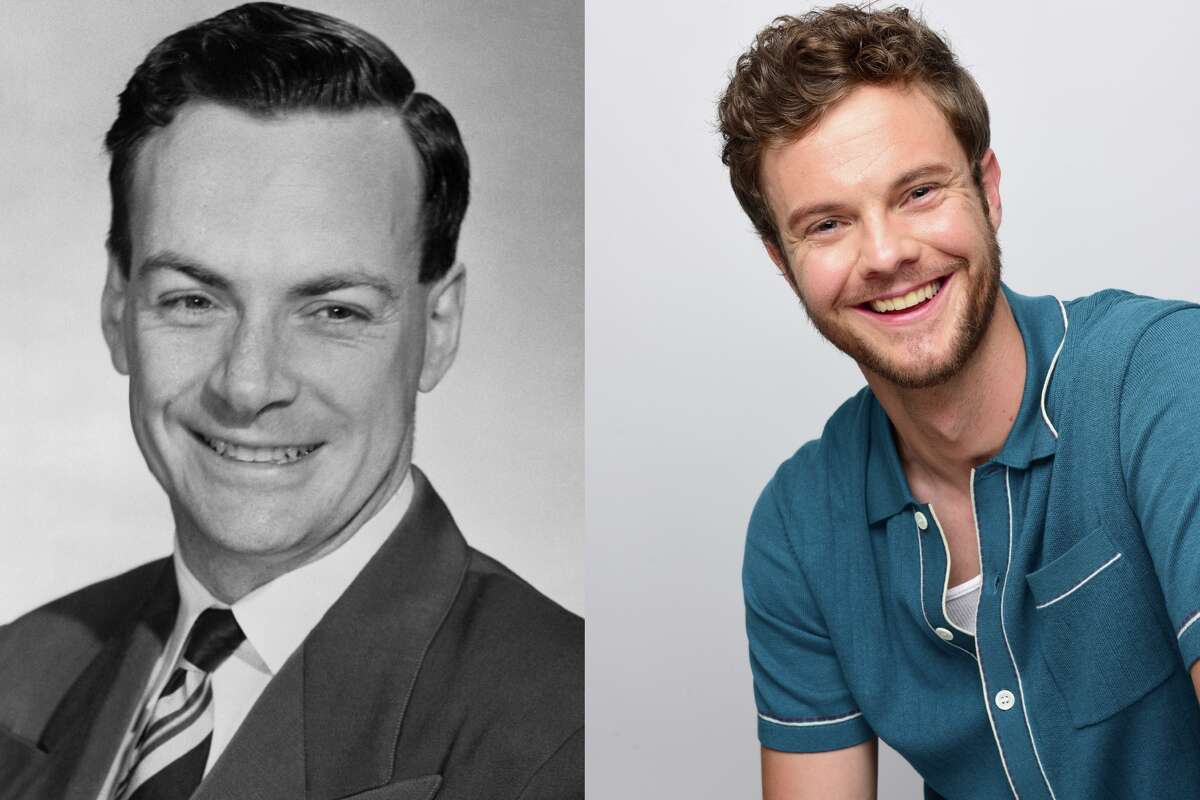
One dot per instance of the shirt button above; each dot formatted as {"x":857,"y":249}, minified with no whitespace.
{"x":922,"y":523}
{"x":943,"y":634}
{"x":1005,"y":699}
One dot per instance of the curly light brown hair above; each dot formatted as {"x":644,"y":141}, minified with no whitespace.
{"x":799,"y":67}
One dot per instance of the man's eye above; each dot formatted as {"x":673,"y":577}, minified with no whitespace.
{"x":825,"y":226}
{"x":340,"y":314}
{"x":920,"y":192}
{"x":191,"y":303}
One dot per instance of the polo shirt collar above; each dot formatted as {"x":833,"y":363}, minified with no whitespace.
{"x":1040,"y":322}
{"x":887,"y":485}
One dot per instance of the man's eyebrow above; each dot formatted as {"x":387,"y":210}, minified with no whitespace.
{"x":803,"y":212}
{"x":350,"y":279}
{"x":170,"y":260}
{"x":912,"y":175}
{"x":922,"y":172}
{"x":322,"y":284}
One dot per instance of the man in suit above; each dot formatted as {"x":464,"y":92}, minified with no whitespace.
{"x":281,"y":283}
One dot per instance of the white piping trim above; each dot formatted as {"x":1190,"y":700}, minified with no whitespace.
{"x":921,"y":552}
{"x":1053,"y":363}
{"x":946,"y":581}
{"x":1004,"y":630}
{"x":814,"y":723}
{"x":987,"y":701}
{"x":1099,"y":569}
{"x":1187,"y":625}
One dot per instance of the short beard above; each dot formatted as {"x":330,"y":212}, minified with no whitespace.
{"x":980,"y":305}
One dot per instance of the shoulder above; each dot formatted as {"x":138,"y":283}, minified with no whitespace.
{"x":1111,"y":321}
{"x":42,"y":651}
{"x":510,"y":642}
{"x":801,"y":487}
{"x":87,"y":615}
{"x":512,"y":616}
{"x":1110,"y":330}
{"x":1119,"y":305}
{"x":505,"y":670}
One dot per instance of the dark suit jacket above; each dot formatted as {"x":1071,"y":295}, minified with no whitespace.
{"x":438,"y":673}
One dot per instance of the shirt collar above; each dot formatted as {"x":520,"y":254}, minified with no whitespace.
{"x":277,"y":616}
{"x":193,"y":597}
{"x":887,"y":486}
{"x":1041,"y":322}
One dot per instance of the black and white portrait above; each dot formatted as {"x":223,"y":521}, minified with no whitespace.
{"x":282,"y":272}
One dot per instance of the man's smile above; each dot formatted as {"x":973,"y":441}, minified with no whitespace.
{"x":909,"y":306}
{"x":261,"y":454}
{"x":908,"y":299}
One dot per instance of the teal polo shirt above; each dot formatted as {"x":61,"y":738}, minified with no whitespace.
{"x":1075,"y":684}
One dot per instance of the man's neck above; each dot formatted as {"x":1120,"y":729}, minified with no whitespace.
{"x":944,"y":431}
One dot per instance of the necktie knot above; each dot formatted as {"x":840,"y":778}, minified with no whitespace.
{"x":214,"y":637}
{"x":167,"y":760}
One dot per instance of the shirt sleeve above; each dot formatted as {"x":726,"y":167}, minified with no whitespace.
{"x":1160,"y":453}
{"x":803,"y":703}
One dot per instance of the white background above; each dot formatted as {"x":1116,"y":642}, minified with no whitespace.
{"x":703,"y":373}
{"x":501,"y":438}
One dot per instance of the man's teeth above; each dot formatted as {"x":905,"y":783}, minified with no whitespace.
{"x":919,"y":295}
{"x":264,"y":455}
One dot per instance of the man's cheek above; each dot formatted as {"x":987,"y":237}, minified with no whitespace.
{"x":166,"y":363}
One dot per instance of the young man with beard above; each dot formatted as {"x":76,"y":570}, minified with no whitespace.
{"x":990,"y":557}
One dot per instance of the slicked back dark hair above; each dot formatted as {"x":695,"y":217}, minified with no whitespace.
{"x":267,"y":59}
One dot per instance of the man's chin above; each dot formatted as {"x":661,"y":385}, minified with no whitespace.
{"x":247,"y":535}
{"x":924,"y":377}
{"x":918,"y":369}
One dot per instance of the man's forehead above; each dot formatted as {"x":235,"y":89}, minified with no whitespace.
{"x":873,"y":135}
{"x":218,"y":178}
{"x":200,"y":127}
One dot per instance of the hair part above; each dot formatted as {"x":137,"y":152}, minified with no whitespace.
{"x":799,"y":67}
{"x":268,"y":59}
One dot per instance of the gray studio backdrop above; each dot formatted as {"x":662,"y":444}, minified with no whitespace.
{"x":703,"y":373}
{"x":501,"y":438}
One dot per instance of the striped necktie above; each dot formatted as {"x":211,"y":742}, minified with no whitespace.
{"x":167,"y":761}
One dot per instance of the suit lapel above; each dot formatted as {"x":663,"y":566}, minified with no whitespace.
{"x":262,"y":760}
{"x":336,"y":706}
{"x":82,"y":736}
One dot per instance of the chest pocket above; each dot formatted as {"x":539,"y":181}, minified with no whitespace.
{"x":1101,"y":640}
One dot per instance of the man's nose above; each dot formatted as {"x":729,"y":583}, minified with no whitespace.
{"x":887,"y":245}
{"x":251,"y":375}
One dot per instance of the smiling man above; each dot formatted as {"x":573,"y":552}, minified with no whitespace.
{"x":991,"y":557}
{"x":281,"y":284}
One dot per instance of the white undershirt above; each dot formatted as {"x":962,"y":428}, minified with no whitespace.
{"x":276,"y":617}
{"x":962,"y":602}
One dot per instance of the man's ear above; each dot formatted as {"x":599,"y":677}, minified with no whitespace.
{"x":781,"y":263}
{"x":989,"y":169}
{"x":112,"y":315}
{"x":444,"y":313}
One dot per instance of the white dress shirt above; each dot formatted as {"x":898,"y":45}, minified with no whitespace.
{"x":276,"y":617}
